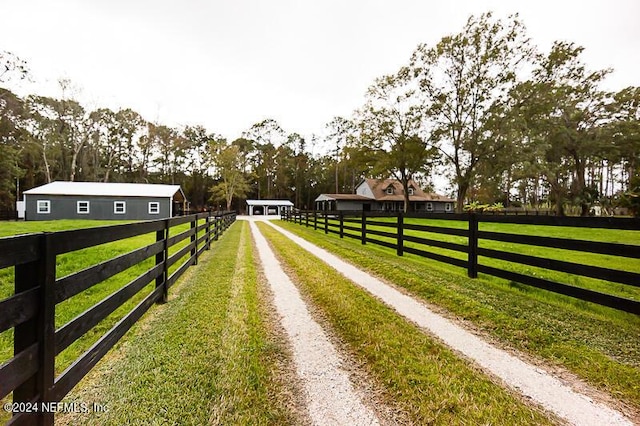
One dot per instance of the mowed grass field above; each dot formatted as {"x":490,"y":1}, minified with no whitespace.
{"x":75,"y":261}
{"x":600,"y":345}
{"x":233,"y":360}
{"x":206,"y":357}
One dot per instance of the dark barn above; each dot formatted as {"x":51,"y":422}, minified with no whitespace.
{"x":97,"y":200}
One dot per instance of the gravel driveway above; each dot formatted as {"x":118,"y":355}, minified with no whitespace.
{"x":331,"y":398}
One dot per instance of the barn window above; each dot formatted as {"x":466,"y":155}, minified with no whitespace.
{"x":410,"y":191}
{"x":154,"y":207}
{"x":447,"y":207}
{"x":390,"y":190}
{"x":119,"y":207}
{"x":429,"y":207}
{"x":44,"y":206}
{"x":82,"y":207}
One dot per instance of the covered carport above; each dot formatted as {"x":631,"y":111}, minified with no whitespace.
{"x":268,"y":207}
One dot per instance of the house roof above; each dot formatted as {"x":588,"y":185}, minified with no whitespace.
{"x":379,"y":188}
{"x":108,"y":189}
{"x":346,"y":197}
{"x":269,"y":203}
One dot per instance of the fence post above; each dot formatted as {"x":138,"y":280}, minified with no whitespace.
{"x":161,"y":258}
{"x":216,"y":228}
{"x":400,"y":242}
{"x":26,"y":334}
{"x":315,"y":220}
{"x":40,"y":329}
{"x":341,"y":225}
{"x":306,"y":214}
{"x":326,"y":222}
{"x":207,"y":231}
{"x":472,"y":268}
{"x":194,"y":239}
{"x":363,"y":237}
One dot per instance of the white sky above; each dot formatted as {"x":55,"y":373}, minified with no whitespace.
{"x":229,"y":64}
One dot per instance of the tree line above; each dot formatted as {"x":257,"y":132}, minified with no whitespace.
{"x":484,"y":109}
{"x":505,"y":122}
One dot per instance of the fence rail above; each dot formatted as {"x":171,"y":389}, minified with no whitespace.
{"x":31,"y":311}
{"x":339,"y":222}
{"x":8,"y":215}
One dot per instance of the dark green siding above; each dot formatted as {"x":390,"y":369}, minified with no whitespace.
{"x":65,"y":207}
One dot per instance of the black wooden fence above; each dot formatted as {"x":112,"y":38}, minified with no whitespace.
{"x":31,"y":311}
{"x":8,"y":215}
{"x":355,"y":225}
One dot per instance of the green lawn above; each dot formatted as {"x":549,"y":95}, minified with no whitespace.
{"x":599,"y":344}
{"x":75,"y":261}
{"x":206,"y":357}
{"x":586,"y":234}
{"x":23,"y":227}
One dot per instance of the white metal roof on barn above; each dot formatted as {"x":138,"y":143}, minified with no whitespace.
{"x":108,"y":189}
{"x":269,"y":203}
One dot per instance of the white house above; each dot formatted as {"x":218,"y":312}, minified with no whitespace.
{"x":268,"y":207}
{"x":385,"y":195}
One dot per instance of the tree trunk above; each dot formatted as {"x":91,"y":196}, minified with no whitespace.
{"x":556,"y":190}
{"x":581,"y":186}
{"x":46,"y":165}
{"x":462,"y":194}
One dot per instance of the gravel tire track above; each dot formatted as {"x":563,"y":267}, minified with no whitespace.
{"x":331,"y":397}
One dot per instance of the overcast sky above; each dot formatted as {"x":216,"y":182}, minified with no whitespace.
{"x":229,"y":64}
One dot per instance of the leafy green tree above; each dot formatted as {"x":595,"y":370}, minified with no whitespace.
{"x":298,"y":169}
{"x":170,"y":152}
{"x":565,"y":110}
{"x":267,"y":136}
{"x":73,"y":129}
{"x":391,"y":138}
{"x":198,"y":180}
{"x":44,"y":132}
{"x":106,"y":147}
{"x":264,"y":167}
{"x":624,"y":131}
{"x":131,"y":127}
{"x":631,"y":198}
{"x":465,"y":81}
{"x":341,"y":132}
{"x":232,"y":181}
{"x":12,"y":133}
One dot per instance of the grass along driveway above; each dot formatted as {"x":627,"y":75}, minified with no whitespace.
{"x":420,"y":376}
{"x":602,"y":349}
{"x":206,"y":357}
{"x":69,"y":263}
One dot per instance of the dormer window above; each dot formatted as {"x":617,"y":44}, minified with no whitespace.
{"x":390,"y":190}
{"x":410,"y":191}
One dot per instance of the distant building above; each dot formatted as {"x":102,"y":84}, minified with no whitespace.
{"x":385,"y":195}
{"x":97,"y":200}
{"x":268,"y":207}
